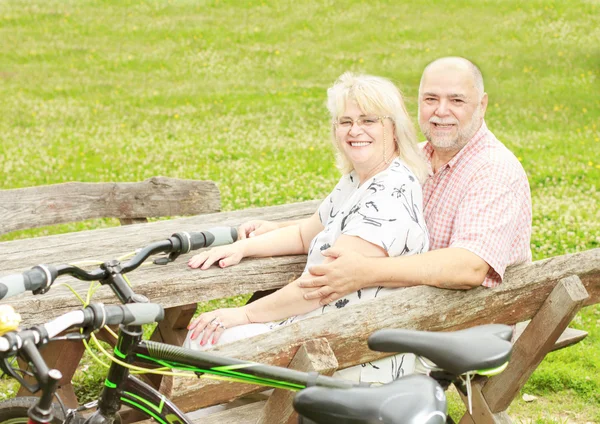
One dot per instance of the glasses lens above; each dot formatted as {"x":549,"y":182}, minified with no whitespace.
{"x":364,"y":122}
{"x":367,"y":121}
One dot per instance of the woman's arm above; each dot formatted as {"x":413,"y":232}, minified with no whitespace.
{"x":284,"y":303}
{"x":290,"y":240}
{"x":256,"y":227}
{"x":290,"y":300}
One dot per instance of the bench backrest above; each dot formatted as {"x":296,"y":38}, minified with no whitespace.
{"x":130,"y":202}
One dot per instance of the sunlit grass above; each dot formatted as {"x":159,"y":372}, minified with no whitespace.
{"x":234,"y":91}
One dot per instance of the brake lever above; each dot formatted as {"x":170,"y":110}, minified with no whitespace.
{"x":8,"y":369}
{"x":164,"y":260}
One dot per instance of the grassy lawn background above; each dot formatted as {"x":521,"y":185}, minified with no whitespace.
{"x":234,"y":91}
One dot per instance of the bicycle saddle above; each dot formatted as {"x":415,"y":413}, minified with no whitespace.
{"x":409,"y":400}
{"x":457,"y":352}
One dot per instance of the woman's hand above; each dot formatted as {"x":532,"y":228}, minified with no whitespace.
{"x":214,"y":323}
{"x":227,"y":255}
{"x":255,"y":228}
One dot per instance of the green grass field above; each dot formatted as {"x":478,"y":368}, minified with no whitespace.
{"x":234,"y":91}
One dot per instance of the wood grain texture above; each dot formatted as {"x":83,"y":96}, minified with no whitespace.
{"x":175,"y":284}
{"x":568,"y":337}
{"x":517,"y":299}
{"x":65,"y":357}
{"x":537,"y":340}
{"x":171,"y":285}
{"x":314,"y":355}
{"x":426,"y":308}
{"x":71,"y":202}
{"x":481,"y":413}
{"x":246,"y":414}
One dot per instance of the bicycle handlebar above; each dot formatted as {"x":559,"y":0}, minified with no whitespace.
{"x":93,"y":317}
{"x":38,"y":279}
{"x":12,"y":285}
{"x":215,"y":237}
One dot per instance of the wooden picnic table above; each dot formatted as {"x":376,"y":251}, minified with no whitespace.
{"x":170,"y":285}
{"x":548,"y":292}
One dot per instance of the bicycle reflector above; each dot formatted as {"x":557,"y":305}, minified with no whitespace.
{"x":9,"y":319}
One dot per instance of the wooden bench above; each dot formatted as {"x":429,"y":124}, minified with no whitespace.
{"x":547,"y":292}
{"x":131,"y":203}
{"x":529,"y":292}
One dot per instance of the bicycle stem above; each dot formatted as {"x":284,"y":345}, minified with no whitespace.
{"x":41,"y":412}
{"x":117,"y":282}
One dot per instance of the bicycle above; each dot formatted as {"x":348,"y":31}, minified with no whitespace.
{"x":121,"y":388}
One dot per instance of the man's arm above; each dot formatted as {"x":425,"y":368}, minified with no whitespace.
{"x":451,"y":268}
{"x":290,"y":300}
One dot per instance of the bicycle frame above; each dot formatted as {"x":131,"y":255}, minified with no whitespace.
{"x":122,"y":388}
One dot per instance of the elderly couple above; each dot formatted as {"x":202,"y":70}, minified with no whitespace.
{"x":452,"y":213}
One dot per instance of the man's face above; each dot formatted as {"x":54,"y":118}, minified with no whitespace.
{"x":450,"y":108}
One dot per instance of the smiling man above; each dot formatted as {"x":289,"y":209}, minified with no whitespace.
{"x":477,"y":202}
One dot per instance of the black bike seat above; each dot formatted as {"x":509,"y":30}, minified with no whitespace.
{"x":457,"y":352}
{"x":409,"y":400}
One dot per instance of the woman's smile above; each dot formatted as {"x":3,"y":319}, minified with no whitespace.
{"x":359,"y":143}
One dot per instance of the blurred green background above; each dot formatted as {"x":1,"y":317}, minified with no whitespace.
{"x":234,"y":91}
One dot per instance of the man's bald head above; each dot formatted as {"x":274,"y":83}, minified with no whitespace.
{"x":452,"y":103}
{"x":457,"y":63}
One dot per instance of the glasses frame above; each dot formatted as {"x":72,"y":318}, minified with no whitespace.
{"x":380,"y":118}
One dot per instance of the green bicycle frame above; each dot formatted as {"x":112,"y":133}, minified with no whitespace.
{"x":122,"y":388}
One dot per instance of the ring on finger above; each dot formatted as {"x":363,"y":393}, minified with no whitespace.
{"x":218,"y":324}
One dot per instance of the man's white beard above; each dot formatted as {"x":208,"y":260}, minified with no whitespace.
{"x":459,"y":141}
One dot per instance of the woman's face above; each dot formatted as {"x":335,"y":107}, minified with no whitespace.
{"x":360,"y":137}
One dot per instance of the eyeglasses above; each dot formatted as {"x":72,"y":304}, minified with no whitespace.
{"x":363,"y":122}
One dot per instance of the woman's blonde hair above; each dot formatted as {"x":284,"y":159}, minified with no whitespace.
{"x":378,"y":96}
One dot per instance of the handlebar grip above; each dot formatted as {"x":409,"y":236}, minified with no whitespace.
{"x":214,"y":237}
{"x":134,"y":314}
{"x":12,"y":285}
{"x":33,"y":279}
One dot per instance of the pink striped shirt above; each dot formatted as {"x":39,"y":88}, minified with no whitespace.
{"x":480,"y":201}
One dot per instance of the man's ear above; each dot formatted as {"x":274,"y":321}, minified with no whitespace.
{"x":483,"y":104}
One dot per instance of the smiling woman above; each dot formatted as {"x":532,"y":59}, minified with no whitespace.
{"x":375,"y":209}
{"x":371,"y":114}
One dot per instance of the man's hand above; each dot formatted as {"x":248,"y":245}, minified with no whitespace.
{"x":346,"y":272}
{"x":255,"y":228}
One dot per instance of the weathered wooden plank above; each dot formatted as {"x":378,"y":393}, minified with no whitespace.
{"x":536,"y":341}
{"x":314,"y":355}
{"x":162,"y":284}
{"x":70,"y":202}
{"x":63,"y":355}
{"x":481,"y":413}
{"x":424,"y":308}
{"x":171,"y":330}
{"x":246,"y":414}
{"x":568,"y":337}
{"x":419,"y":307}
